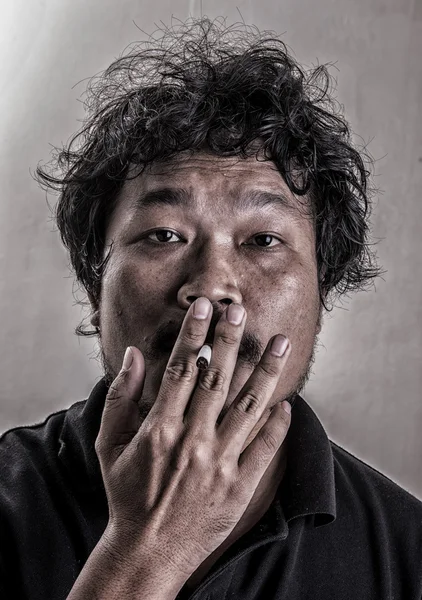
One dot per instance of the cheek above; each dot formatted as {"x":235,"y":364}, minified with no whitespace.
{"x":296,"y":303}
{"x":128,"y":294}
{"x":119,"y":289}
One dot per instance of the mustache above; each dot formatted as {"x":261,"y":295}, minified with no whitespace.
{"x":163,"y":339}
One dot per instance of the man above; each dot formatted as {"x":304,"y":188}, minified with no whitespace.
{"x":213,"y":199}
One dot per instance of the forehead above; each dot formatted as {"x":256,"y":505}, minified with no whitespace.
{"x":213,"y":170}
{"x":190,"y":180}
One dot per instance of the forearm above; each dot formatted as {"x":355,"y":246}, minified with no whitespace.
{"x":106,"y":578}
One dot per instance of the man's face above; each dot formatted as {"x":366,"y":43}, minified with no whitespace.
{"x":166,"y":255}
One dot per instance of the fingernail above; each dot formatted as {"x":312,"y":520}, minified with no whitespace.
{"x":286,"y":406}
{"x":279,"y":345}
{"x":201,"y":308}
{"x":235,"y":314}
{"x":128,"y":359}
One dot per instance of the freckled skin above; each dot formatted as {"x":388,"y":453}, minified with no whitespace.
{"x":145,"y":286}
{"x":217,"y":255}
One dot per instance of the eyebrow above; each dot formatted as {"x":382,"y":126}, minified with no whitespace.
{"x":183,"y":198}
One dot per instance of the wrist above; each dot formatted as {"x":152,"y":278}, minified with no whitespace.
{"x":138,"y":561}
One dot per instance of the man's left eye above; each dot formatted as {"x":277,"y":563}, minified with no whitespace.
{"x":266,"y":237}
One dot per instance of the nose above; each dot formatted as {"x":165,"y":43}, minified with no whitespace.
{"x":214,"y":280}
{"x":219,"y":306}
{"x":218,"y":301}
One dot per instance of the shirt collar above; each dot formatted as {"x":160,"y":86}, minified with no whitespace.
{"x":308,"y":486}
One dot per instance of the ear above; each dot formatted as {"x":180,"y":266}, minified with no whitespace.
{"x":95,"y":316}
{"x":95,"y":319}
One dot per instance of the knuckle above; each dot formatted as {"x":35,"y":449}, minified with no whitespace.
{"x":114,"y":394}
{"x":180,"y":371}
{"x":249,"y":403}
{"x":158,"y":436}
{"x":270,"y":440}
{"x":192,"y":336}
{"x":200,"y":455}
{"x":228,"y":338}
{"x":269,"y":368}
{"x":212,"y":380}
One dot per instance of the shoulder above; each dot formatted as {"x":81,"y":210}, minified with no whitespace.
{"x":28,"y":448}
{"x":362,"y":486}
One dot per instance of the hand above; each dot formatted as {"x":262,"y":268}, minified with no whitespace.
{"x":178,"y":484}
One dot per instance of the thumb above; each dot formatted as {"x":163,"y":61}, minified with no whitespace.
{"x":121,"y":417}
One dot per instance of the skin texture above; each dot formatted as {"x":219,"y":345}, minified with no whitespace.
{"x":214,"y":252}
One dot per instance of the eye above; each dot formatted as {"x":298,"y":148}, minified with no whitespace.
{"x":265,"y":239}
{"x":164,"y":235}
{"x":161,"y":233}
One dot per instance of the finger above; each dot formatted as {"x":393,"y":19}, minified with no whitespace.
{"x":252,"y":400}
{"x":181,"y":372}
{"x":213,"y":384}
{"x":121,"y":417}
{"x":256,"y":458}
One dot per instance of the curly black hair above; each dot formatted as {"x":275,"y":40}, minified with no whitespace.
{"x":198,"y":85}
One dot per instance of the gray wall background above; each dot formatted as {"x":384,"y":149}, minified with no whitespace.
{"x":367,"y":380}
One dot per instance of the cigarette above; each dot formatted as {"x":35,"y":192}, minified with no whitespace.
{"x":204,"y":357}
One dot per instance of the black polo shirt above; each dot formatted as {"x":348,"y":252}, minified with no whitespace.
{"x":336,"y":530}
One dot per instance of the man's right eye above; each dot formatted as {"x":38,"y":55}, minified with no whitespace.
{"x":164,"y":234}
